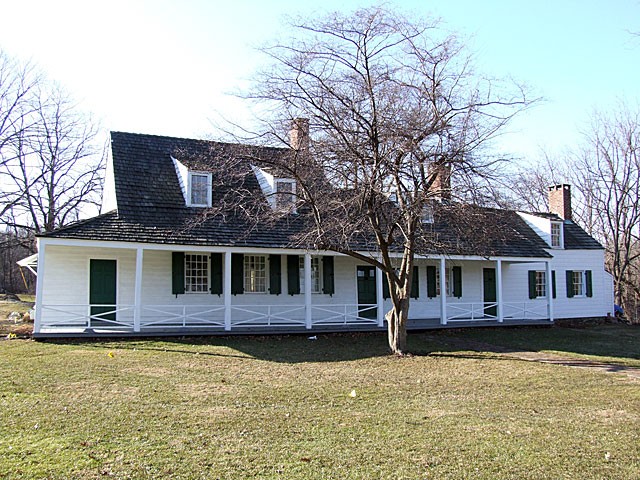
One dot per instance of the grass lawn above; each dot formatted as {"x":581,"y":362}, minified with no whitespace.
{"x":282,"y":407}
{"x":619,"y":344}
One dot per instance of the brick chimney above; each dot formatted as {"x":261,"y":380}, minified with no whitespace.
{"x":560,"y":200}
{"x":441,"y":186}
{"x":299,"y":134}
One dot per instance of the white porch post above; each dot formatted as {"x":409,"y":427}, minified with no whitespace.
{"x":443,"y":292}
{"x":227,"y":290}
{"x":137,"y":307}
{"x":499,"y":290}
{"x":380,"y":300}
{"x":549,"y":279}
{"x":307,"y":290}
{"x":37,"y":322}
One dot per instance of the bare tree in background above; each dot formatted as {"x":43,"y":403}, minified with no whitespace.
{"x":394,"y":110}
{"x":17,"y":84}
{"x":57,"y":166}
{"x":51,"y":164}
{"x":607,"y":173}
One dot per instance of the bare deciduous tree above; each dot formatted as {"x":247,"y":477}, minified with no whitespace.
{"x":51,"y":166}
{"x":394,"y":110}
{"x":608,"y":175}
{"x":605,"y":173}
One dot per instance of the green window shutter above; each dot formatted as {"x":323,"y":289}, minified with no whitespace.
{"x":553,"y":283}
{"x":589,"y":283}
{"x":569,"y":283}
{"x":177,"y":273}
{"x":328,"y":283}
{"x":293,"y":274}
{"x":532,"y":284}
{"x":237,"y":273}
{"x":216,"y":273}
{"x":415,"y":283}
{"x":431,"y":281}
{"x":457,"y":282}
{"x":275,"y":275}
{"x":385,"y":286}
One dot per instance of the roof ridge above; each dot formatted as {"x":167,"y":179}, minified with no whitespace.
{"x":197,"y":140}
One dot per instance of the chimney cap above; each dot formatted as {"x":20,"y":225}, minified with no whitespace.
{"x":559,"y":186}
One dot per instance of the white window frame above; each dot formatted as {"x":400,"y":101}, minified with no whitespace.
{"x":557,"y":241}
{"x":285,"y":200}
{"x":316,"y":274}
{"x":541,"y":284}
{"x":190,"y":273}
{"x":579,"y":287}
{"x":190,"y":189}
{"x":448,"y":271}
{"x":255,"y":274}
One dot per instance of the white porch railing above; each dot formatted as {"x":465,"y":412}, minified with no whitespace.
{"x":347,"y":314}
{"x":181,"y":316}
{"x":154,"y":318}
{"x":267,"y":315}
{"x":469,"y":312}
{"x":538,"y":310}
{"x":158,"y":317}
{"x":79,"y":316}
{"x":464,"y":312}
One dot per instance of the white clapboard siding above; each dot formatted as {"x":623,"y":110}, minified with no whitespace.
{"x":516,"y":283}
{"x":67,"y":284}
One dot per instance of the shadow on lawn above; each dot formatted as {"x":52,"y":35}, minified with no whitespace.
{"x":337,"y":347}
{"x":480,"y":343}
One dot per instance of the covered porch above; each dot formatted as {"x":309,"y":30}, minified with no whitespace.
{"x":144,"y":305}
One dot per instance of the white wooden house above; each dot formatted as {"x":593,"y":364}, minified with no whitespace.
{"x":143,"y":266}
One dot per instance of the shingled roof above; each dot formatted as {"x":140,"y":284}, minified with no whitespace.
{"x":151,"y":206}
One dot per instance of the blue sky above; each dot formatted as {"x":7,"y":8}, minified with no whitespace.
{"x":168,"y":67}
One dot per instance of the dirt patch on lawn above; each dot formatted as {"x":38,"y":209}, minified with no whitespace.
{"x":12,"y":316}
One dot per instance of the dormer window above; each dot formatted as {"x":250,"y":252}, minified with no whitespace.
{"x":556,"y":235}
{"x":285,"y":194}
{"x":427,"y":214}
{"x":199,"y":189}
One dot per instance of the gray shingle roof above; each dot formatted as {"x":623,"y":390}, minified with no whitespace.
{"x":151,"y":207}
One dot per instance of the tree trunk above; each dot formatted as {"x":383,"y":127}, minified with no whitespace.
{"x":397,"y":326}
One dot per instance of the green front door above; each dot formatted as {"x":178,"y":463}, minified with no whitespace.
{"x":489,"y":282}
{"x":367,"y":292}
{"x":102,"y":290}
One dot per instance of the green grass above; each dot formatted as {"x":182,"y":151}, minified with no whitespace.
{"x":280,"y":407}
{"x":619,"y":344}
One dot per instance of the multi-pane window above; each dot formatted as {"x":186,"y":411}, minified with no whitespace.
{"x":556,"y":235}
{"x":196,"y":273}
{"x":448,"y":281}
{"x":255,"y":273}
{"x":541,"y":284}
{"x":200,"y":189}
{"x":315,"y":275}
{"x":284,"y":194}
{"x":578,"y":283}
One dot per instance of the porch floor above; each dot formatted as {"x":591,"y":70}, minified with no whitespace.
{"x":413,"y":325}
